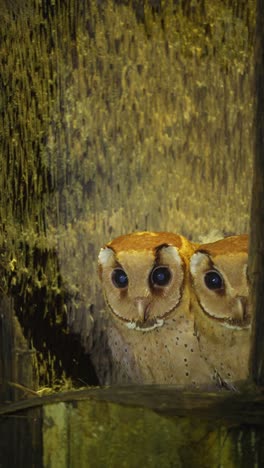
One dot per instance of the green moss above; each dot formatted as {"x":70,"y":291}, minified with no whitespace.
{"x":92,"y":433}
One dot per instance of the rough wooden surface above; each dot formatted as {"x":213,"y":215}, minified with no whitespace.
{"x":6,"y":351}
{"x":256,"y":266}
{"x":112,"y":435}
{"x":125,"y":426}
{"x":21,"y":440}
{"x":165,"y":399}
{"x":18,"y":364}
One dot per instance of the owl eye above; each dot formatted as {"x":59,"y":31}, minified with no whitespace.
{"x":119,"y":278}
{"x":213,"y":280}
{"x":160,"y":276}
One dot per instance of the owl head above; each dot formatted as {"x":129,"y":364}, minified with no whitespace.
{"x":219,"y":279}
{"x":143,"y":275}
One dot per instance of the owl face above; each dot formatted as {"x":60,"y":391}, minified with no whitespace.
{"x":219,"y":278}
{"x":143,"y":276}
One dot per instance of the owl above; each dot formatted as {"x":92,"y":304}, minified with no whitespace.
{"x":145,"y":279}
{"x":220,"y":305}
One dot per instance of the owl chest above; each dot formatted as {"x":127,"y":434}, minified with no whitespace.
{"x":165,"y":355}
{"x":226,"y":349}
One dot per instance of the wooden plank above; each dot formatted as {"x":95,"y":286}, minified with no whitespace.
{"x":167,"y":400}
{"x":21,"y":440}
{"x":6,"y":350}
{"x":132,"y":426}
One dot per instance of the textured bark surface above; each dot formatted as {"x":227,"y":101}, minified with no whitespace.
{"x":256,"y":267}
{"x":114,"y":117}
{"x":18,"y":363}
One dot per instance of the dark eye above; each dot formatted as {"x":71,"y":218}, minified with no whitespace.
{"x":160,"y":276}
{"x":213,"y":280}
{"x":119,"y":278}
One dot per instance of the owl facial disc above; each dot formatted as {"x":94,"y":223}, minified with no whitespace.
{"x":143,"y":277}
{"x":219,"y":281}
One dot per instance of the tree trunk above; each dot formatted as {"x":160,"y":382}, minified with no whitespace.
{"x":116,"y":116}
{"x":256,"y":265}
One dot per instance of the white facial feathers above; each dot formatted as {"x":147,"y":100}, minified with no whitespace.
{"x":198,"y":260}
{"x":168,"y":254}
{"x":106,"y":257}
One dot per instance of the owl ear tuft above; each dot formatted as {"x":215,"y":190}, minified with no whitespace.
{"x":166,"y":253}
{"x":106,"y":257}
{"x":198,"y":259}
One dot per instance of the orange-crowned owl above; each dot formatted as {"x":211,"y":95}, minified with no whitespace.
{"x":145,"y":278}
{"x":220,"y":305}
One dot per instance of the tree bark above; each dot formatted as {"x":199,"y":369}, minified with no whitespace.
{"x":117,"y":116}
{"x":256,"y":261}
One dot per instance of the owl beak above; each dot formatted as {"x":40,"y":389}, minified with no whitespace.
{"x":242,"y":310}
{"x":142,"y":304}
